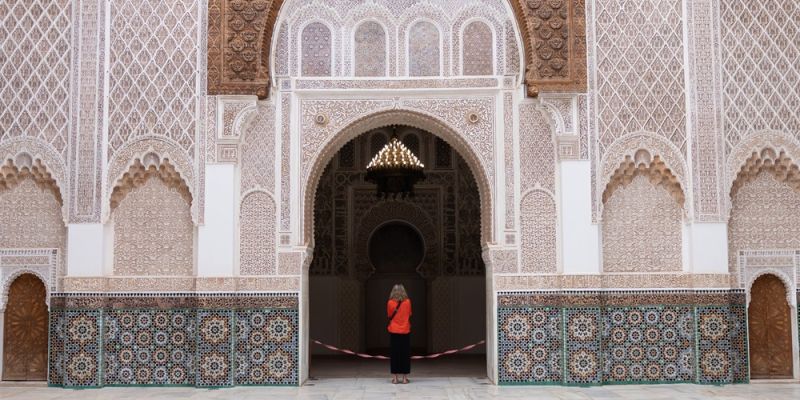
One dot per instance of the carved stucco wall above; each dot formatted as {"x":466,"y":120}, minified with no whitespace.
{"x":257,"y":211}
{"x":243,"y":35}
{"x":638,"y":92}
{"x":36,"y":49}
{"x":760,"y":72}
{"x":31,"y":218}
{"x":258,"y":149}
{"x":154,"y":71}
{"x":156,"y":78}
{"x":424,"y":51}
{"x":316,"y":50}
{"x":369,"y":50}
{"x":257,"y":235}
{"x":642,"y":229}
{"x":537,"y":168}
{"x":765,"y":215}
{"x":153,"y":232}
{"x":638,"y":62}
{"x":478,"y":49}
{"x":398,"y":34}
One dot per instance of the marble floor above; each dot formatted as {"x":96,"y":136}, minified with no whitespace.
{"x":460,"y":377}
{"x":420,"y":388}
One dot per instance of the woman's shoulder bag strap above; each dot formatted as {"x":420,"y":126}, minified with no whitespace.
{"x":396,"y":309}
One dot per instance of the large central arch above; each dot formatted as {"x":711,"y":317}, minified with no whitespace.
{"x":330,"y":148}
{"x":414,"y":119}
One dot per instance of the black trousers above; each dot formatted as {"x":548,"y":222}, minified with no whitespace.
{"x":400,"y":353}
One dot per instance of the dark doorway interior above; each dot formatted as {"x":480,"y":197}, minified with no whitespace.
{"x":364,"y":245}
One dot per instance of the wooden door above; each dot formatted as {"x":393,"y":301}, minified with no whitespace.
{"x":770,"y":330}
{"x":25,"y":331}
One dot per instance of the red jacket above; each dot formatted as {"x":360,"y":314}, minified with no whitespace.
{"x":400,"y":323}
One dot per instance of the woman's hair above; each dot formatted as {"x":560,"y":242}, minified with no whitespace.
{"x":398,"y":293}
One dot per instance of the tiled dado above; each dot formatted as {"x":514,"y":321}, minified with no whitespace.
{"x":173,"y":339}
{"x":620,"y":337}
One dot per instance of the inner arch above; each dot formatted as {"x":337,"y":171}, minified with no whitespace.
{"x":399,"y":117}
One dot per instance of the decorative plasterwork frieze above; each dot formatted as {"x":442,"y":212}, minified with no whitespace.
{"x":455,"y":83}
{"x":678,"y":280}
{"x":15,"y":262}
{"x":180,"y":284}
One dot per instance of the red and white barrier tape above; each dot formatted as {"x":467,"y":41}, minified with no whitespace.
{"x":435,"y":355}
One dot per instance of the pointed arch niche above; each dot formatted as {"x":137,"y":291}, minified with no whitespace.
{"x":152,"y":220}
{"x":643,"y":212}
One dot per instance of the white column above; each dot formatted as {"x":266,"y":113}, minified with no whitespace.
{"x":708,"y":247}
{"x":580,"y":238}
{"x":217,"y":237}
{"x":2,"y":338}
{"x":85,"y":249}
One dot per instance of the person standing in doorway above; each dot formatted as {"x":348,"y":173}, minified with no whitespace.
{"x":398,"y":309}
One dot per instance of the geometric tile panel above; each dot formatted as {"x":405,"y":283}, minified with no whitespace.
{"x":722,"y":344}
{"x":622,"y":337}
{"x":266,"y":347}
{"x":75,"y":343}
{"x":216,"y":342}
{"x":148,"y":347}
{"x":649,"y":344}
{"x":55,"y":362}
{"x":214,"y":348}
{"x":529,"y":343}
{"x":583,"y":354}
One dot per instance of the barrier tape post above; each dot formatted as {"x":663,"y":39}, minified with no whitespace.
{"x":379,"y":357}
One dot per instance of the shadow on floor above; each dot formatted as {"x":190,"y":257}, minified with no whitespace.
{"x":460,"y":366}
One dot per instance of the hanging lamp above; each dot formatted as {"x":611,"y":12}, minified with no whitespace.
{"x":395,"y":169}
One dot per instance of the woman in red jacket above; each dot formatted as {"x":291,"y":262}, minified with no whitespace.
{"x":398,"y":309}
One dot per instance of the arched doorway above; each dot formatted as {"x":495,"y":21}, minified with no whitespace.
{"x":396,"y":249}
{"x":363,"y":245}
{"x":25,"y":331}
{"x":770,"y":327}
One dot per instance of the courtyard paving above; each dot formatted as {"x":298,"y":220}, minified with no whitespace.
{"x":420,"y":388}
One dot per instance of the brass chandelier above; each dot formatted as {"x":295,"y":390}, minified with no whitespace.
{"x":395,"y":170}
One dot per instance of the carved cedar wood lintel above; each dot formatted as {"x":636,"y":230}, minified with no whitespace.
{"x":240,"y":40}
